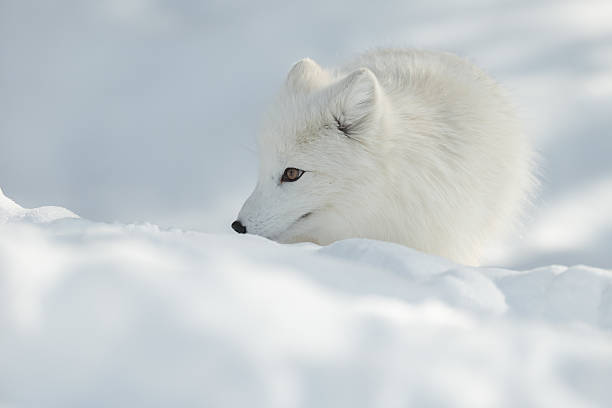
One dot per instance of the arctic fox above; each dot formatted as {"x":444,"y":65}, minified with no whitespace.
{"x":414,"y":147}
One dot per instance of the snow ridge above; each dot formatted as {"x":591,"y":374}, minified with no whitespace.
{"x":134,"y":315}
{"x":11,"y":211}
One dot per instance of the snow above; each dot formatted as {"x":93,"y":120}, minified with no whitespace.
{"x":97,"y":314}
{"x":10,"y":210}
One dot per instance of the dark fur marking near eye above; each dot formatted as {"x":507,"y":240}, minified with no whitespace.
{"x":305,"y":215}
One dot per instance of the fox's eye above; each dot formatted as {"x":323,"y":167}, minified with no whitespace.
{"x":291,"y":174}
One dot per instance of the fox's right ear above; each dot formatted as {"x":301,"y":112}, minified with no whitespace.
{"x":356,"y":102}
{"x":305,"y":75}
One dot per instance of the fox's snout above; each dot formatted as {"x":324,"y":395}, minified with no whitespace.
{"x":238,"y":227}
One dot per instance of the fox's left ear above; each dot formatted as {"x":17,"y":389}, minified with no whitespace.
{"x":304,"y":76}
{"x":357,"y":103}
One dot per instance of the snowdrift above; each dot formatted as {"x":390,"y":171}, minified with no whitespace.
{"x":96,"y":314}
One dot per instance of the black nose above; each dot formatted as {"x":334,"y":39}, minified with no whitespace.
{"x":238,"y":227}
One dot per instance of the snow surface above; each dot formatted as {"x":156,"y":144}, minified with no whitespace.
{"x":11,"y":211}
{"x":95,"y":314}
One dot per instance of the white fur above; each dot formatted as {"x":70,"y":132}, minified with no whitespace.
{"x":434,"y":160}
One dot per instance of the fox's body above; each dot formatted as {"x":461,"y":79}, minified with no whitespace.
{"x":413,"y":147}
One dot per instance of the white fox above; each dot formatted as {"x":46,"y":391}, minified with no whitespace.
{"x":414,"y":147}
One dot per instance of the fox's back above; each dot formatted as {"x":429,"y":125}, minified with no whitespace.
{"x":454,"y":142}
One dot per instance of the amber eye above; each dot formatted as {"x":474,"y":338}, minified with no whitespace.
{"x":291,"y":174}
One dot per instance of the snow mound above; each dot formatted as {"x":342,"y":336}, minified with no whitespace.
{"x":95,"y":314}
{"x":11,"y":211}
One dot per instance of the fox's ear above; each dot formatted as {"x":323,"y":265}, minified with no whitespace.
{"x":304,"y":76}
{"x":357,"y":100}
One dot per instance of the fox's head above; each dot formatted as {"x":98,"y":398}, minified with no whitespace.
{"x":318,"y":176}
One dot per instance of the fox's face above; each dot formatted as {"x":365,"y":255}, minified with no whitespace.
{"x":315,"y":158}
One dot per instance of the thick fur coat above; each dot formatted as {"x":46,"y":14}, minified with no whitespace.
{"x":414,"y":147}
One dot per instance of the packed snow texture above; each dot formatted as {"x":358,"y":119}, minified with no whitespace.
{"x":11,"y":211}
{"x":147,"y":110}
{"x":100,"y":315}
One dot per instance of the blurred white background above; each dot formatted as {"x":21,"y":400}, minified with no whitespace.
{"x":147,"y":110}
